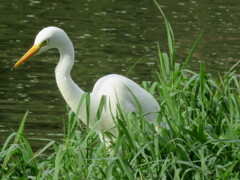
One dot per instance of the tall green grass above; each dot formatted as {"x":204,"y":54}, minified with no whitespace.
{"x":201,"y":140}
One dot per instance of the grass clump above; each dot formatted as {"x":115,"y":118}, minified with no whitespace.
{"x":201,"y":140}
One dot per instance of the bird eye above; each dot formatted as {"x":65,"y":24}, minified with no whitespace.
{"x":45,"y":42}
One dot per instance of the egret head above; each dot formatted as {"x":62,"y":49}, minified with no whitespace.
{"x":47,"y":38}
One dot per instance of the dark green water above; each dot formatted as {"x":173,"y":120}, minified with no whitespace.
{"x":109,"y":36}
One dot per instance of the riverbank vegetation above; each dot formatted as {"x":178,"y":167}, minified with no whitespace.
{"x":200,"y":141}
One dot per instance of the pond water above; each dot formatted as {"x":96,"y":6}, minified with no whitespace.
{"x":108,"y":36}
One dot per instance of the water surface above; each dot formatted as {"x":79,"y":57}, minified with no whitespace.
{"x":108,"y":36}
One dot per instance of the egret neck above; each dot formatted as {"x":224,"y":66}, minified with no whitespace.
{"x":70,"y":91}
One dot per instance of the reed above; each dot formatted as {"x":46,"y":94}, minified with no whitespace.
{"x":200,"y":140}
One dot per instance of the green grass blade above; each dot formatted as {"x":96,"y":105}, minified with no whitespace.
{"x":195,"y":45}
{"x":21,"y":128}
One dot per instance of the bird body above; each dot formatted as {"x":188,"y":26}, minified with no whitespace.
{"x":118,"y":91}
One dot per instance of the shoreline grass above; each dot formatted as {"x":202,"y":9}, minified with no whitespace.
{"x":202,"y":141}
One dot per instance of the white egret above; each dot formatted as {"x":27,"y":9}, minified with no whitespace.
{"x":118,"y":90}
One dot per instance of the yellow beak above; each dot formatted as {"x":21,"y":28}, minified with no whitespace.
{"x":34,"y":49}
